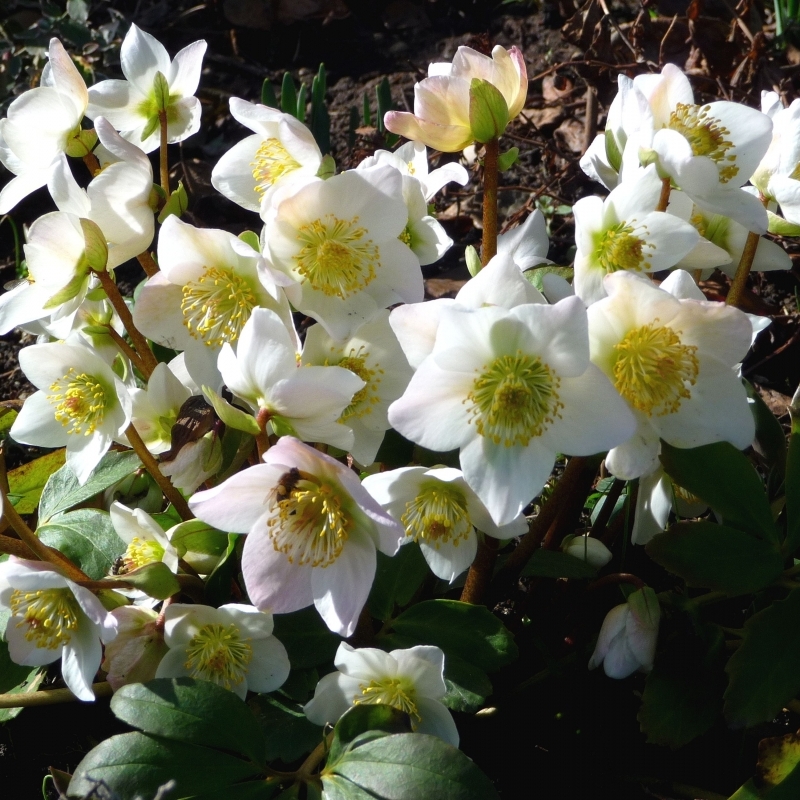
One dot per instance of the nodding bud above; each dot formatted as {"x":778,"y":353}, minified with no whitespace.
{"x":488,"y":111}
{"x":96,"y":252}
{"x":473,"y":260}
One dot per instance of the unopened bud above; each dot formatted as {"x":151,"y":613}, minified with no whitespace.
{"x":488,"y":111}
{"x":81,"y":143}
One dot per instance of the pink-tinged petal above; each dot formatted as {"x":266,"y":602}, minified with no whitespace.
{"x":269,"y":667}
{"x":341,"y":589}
{"x":65,"y":76}
{"x":447,"y":138}
{"x":238,"y":504}
{"x":273,"y":583}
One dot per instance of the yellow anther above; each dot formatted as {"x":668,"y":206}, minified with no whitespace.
{"x":220,"y":654}
{"x":438,"y":515}
{"x":80,"y":402}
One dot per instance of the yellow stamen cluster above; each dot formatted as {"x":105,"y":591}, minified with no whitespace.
{"x":619,"y":249}
{"x":398,"y":693}
{"x":220,"y":654}
{"x":365,"y":398}
{"x":653,"y":369}
{"x":438,"y":515}
{"x":514,"y":398}
{"x":309,"y":525}
{"x":336,"y":256}
{"x":706,"y":135}
{"x":271,"y":163}
{"x":405,"y":237}
{"x":217,"y":305}
{"x":140,"y":552}
{"x":80,"y":402}
{"x":50,"y":615}
{"x":684,"y":494}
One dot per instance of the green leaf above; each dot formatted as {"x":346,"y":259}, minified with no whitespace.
{"x":86,"y":537}
{"x":218,"y":583}
{"x":778,"y":768}
{"x":383,"y":94}
{"x":327,"y":167}
{"x":233,"y":417}
{"x":362,"y":719}
{"x":26,"y":483}
{"x":198,"y":537}
{"x":467,"y":685}
{"x":301,"y":103}
{"x":723,"y":477}
{"x":613,"y":153}
{"x":555,"y":564}
{"x":535,"y":274}
{"x":191,"y":711}
{"x":781,"y":226}
{"x":406,"y":766}
{"x":176,"y":205}
{"x":7,"y":417}
{"x":396,"y":580}
{"x":63,"y":491}
{"x":468,"y":631}
{"x":683,"y":694}
{"x":288,"y":95}
{"x":251,"y":238}
{"x":306,"y":638}
{"x":249,"y":790}
{"x":488,"y":111}
{"x":764,"y":673}
{"x":716,"y":557}
{"x":268,"y":94}
{"x":770,"y":439}
{"x":792,"y":494}
{"x":508,"y":159}
{"x":155,"y":579}
{"x":286,"y":730}
{"x":136,"y":765}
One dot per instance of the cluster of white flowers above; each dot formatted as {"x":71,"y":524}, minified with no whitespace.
{"x":507,"y":376}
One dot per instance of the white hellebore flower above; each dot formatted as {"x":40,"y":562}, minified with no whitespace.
{"x":339,"y":242}
{"x":527,"y":244}
{"x":231,"y":646}
{"x":412,"y":681}
{"x":137,"y":650}
{"x":312,"y":531}
{"x":155,"y":409}
{"x":511,"y":388}
{"x":628,"y":636}
{"x":52,"y":618}
{"x":81,"y":403}
{"x":587,"y":549}
{"x":281,"y":151}
{"x":117,"y":198}
{"x":307,"y":401}
{"x":625,"y":232}
{"x":41,"y":124}
{"x":152,"y":83}
{"x":208,"y":284}
{"x":441,"y":512}
{"x":374,"y":354}
{"x":673,"y":362}
{"x":146,"y":540}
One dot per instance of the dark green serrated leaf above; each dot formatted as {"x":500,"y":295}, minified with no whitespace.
{"x":468,"y":631}
{"x":191,"y":711}
{"x":408,"y":766}
{"x":62,"y":490}
{"x":26,"y":483}
{"x":397,"y":578}
{"x":287,"y":732}
{"x":306,"y":638}
{"x":555,"y":564}
{"x":364,"y":719}
{"x":764,"y":673}
{"x":467,"y":685}
{"x":135,"y":765}
{"x":716,"y":557}
{"x":86,"y":537}
{"x":723,"y":477}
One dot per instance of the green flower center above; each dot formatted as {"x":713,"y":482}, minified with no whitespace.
{"x":80,"y":402}
{"x":437,"y":515}
{"x":220,"y":654}
{"x":51,"y":616}
{"x":514,"y":398}
{"x":653,"y":368}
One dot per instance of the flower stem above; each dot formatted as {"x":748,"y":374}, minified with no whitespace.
{"x":480,"y":572}
{"x":164,"y":483}
{"x":127,"y":350}
{"x":490,"y":175}
{"x":148,"y":263}
{"x":92,"y":164}
{"x":162,"y":153}
{"x":736,"y":292}
{"x":49,"y":697}
{"x":16,"y":547}
{"x":616,"y":578}
{"x":663,"y":200}
{"x":262,"y":439}
{"x":148,"y":360}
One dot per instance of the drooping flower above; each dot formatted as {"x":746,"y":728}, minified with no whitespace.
{"x":374,"y":354}
{"x":441,"y":117}
{"x":155,"y":408}
{"x":145,"y":539}
{"x":673,"y":362}
{"x":628,"y":636}
{"x":587,"y":549}
{"x":51,"y":618}
{"x":339,"y":242}
{"x":41,"y":124}
{"x":510,"y":389}
{"x":312,"y":531}
{"x":134,"y":655}
{"x":281,"y":150}
{"x":152,"y":83}
{"x":231,"y":646}
{"x":409,"y":680}
{"x":81,"y":403}
{"x":309,"y":401}
{"x":439,"y":511}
